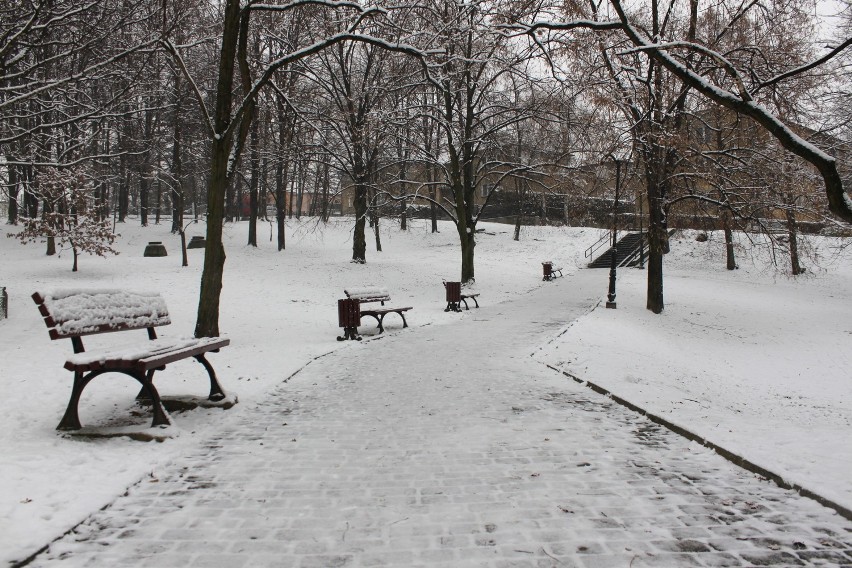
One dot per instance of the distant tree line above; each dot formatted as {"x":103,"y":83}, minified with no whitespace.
{"x":247,"y":109}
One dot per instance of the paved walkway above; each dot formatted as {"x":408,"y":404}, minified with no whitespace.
{"x":486,"y":459}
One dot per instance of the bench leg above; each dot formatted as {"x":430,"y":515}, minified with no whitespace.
{"x":71,"y":419}
{"x":404,"y":323}
{"x":143,"y":394}
{"x":475,"y":303}
{"x":147,"y":380}
{"x":216,"y":392}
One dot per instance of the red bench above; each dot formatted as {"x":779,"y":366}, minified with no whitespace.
{"x":73,"y":314}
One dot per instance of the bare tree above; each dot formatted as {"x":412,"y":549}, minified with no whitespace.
{"x":473,"y":104}
{"x":736,"y":74}
{"x":70,"y":217}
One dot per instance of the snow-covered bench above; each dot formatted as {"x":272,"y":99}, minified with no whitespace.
{"x":366,"y":295}
{"x":455,"y":297}
{"x":74,"y":313}
{"x":549,"y":270}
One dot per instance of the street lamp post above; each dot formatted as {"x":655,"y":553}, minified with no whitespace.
{"x":614,"y":252}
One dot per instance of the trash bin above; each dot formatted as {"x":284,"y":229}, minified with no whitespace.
{"x":453,"y":296}
{"x":197,"y":242}
{"x":155,"y":248}
{"x":349,"y":318}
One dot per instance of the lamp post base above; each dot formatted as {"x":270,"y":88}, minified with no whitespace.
{"x":611,"y":305}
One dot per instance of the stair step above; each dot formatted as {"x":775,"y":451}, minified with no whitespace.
{"x":627,"y":246}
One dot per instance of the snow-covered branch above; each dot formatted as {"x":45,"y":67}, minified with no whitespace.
{"x":838,"y":199}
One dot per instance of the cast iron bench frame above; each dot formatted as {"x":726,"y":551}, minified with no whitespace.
{"x":455,"y":297}
{"x":363,"y":296}
{"x":72,"y":314}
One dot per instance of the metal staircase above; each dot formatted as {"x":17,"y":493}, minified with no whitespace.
{"x":628,"y":250}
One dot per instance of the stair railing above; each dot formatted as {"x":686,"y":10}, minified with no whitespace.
{"x":604,"y":240}
{"x":629,"y":254}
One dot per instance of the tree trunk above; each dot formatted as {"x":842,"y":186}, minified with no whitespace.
{"x":143,"y":199}
{"x":193,"y":185}
{"x":285,"y":137}
{"x":123,"y":192}
{"x":145,"y":170}
{"x":30,"y":198}
{"x":12,"y":193}
{"x":403,"y":154}
{"x":47,"y":208}
{"x":359,"y":240}
{"x":519,"y":218}
{"x":729,"y":244}
{"x":326,"y":181}
{"x":185,"y":259}
{"x":159,"y":201}
{"x":280,"y":199}
{"x":254,"y":158}
{"x":290,"y":185}
{"x":207,"y":322}
{"x":375,"y":216}
{"x":658,"y":245}
{"x":793,"y":233}
{"x":468,"y":244}
{"x":177,"y":178}
{"x":300,"y":195}
{"x":362,"y":192}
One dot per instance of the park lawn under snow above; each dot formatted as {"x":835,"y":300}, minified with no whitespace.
{"x":753,"y":360}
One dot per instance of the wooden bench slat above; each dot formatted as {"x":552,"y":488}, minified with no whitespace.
{"x":144,"y":354}
{"x":214,"y":344}
{"x":368,"y":294}
{"x":71,"y":312}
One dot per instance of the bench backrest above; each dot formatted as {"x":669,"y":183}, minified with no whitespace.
{"x":74,"y":312}
{"x":368,"y":294}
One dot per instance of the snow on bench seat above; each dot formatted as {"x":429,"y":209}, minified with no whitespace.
{"x":143,"y":355}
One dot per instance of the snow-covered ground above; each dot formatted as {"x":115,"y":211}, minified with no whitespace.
{"x":752,"y":359}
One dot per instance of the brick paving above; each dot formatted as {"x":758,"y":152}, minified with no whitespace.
{"x":482,"y":458}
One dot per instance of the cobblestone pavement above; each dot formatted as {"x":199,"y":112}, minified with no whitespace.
{"x":488,"y":459}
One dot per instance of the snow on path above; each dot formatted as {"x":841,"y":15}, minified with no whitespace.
{"x":368,"y":457}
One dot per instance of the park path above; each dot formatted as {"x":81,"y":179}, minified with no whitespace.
{"x":449,"y":446}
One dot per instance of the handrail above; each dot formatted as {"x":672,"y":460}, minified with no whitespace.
{"x":637,"y":249}
{"x":607,"y":238}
